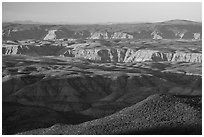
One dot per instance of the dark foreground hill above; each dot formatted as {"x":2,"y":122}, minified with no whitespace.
{"x":19,"y":118}
{"x":158,"y":114}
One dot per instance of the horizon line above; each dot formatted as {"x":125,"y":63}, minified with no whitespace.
{"x":91,"y":23}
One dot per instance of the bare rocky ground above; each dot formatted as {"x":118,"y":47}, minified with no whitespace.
{"x":147,"y":87}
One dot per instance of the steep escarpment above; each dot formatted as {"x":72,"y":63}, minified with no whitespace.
{"x":110,"y":35}
{"x":51,"y":35}
{"x":131,"y":55}
{"x":30,"y":50}
{"x":158,"y":114}
{"x":104,"y":54}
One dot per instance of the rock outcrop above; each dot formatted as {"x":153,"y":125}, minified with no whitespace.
{"x":99,"y":35}
{"x":103,"y":54}
{"x":156,"y":35}
{"x":196,"y":36}
{"x":131,"y":55}
{"x":51,"y":35}
{"x":180,"y":34}
{"x":11,"y":49}
{"x":121,"y":35}
{"x":108,"y":35}
{"x":30,"y":50}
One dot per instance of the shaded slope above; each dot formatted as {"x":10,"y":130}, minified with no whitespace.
{"x":19,"y":118}
{"x":158,"y":114}
{"x":91,"y":88}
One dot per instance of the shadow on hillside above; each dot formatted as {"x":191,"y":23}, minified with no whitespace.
{"x":20,"y":118}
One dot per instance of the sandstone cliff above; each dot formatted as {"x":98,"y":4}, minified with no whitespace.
{"x":99,"y":35}
{"x":103,"y":54}
{"x":131,"y":55}
{"x":30,"y":50}
{"x":108,"y":35}
{"x":51,"y":35}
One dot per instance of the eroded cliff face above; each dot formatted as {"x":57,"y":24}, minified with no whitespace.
{"x":99,"y":35}
{"x":131,"y":55}
{"x":104,"y":54}
{"x":109,"y":35}
{"x":11,"y":49}
{"x":121,"y":35}
{"x":30,"y":50}
{"x":156,"y":35}
{"x":51,"y":35}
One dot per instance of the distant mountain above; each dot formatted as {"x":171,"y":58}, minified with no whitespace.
{"x":23,"y":22}
{"x":173,"y":29}
{"x":27,"y":22}
{"x":177,"y":21}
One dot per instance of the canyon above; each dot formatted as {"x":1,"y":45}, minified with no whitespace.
{"x":102,"y":79}
{"x":104,"y":53}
